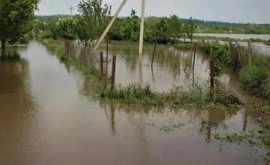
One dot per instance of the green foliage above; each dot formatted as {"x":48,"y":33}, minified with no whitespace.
{"x":132,"y":94}
{"x":254,"y":80}
{"x":162,"y":31}
{"x":234,"y":28}
{"x":221,"y":55}
{"x":115,"y":32}
{"x":189,"y":28}
{"x":66,"y":29}
{"x":266,"y":140}
{"x":185,"y":46}
{"x":153,"y":32}
{"x":157,"y":30}
{"x":93,"y":19}
{"x":16,"y":18}
{"x":225,"y":98}
{"x":51,"y":29}
{"x":192,"y":97}
{"x":175,"y":28}
{"x":131,"y":27}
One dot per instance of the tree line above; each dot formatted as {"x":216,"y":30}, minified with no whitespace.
{"x":94,"y":16}
{"x":17,"y":19}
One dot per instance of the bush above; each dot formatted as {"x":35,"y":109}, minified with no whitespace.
{"x":224,"y":98}
{"x":221,"y":55}
{"x":254,"y":80}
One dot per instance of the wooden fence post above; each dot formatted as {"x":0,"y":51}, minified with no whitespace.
{"x":101,"y":64}
{"x":113,"y":70}
{"x":249,"y":52}
{"x":107,"y":56}
{"x":154,"y":52}
{"x":194,"y":61}
{"x":212,"y":78}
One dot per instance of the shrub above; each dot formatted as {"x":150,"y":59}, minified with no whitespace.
{"x":254,"y":80}
{"x":221,"y":55}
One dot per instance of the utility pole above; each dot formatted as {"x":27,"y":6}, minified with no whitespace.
{"x":142,"y":28}
{"x":71,"y":9}
{"x":109,"y":26}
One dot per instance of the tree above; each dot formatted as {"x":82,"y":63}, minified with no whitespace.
{"x":175,"y":28}
{"x":131,"y":28}
{"x":66,"y":29}
{"x":163,"y":31}
{"x":190,"y":28}
{"x":16,"y":17}
{"x":92,"y":20}
{"x":156,"y":30}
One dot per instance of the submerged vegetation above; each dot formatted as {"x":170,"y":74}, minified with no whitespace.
{"x":60,"y":50}
{"x":157,"y":30}
{"x":92,"y":20}
{"x":193,"y":97}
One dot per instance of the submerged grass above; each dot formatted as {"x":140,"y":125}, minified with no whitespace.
{"x":193,"y":97}
{"x":62,"y":54}
{"x":178,"y":97}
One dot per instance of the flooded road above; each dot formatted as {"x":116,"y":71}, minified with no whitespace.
{"x":45,"y":118}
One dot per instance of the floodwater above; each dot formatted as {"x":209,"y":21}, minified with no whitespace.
{"x":171,"y":67}
{"x":46,"y":118}
{"x":258,"y":47}
{"x":236,"y":36}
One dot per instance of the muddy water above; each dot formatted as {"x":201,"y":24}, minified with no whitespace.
{"x":171,"y":67}
{"x":45,"y":118}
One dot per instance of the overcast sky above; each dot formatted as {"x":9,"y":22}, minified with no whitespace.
{"x":244,"y":11}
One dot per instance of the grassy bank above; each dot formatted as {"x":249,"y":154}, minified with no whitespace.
{"x":193,"y":97}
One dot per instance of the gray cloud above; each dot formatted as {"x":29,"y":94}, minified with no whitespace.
{"x":244,"y":11}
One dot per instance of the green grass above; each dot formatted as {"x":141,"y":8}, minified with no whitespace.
{"x":255,"y":80}
{"x":185,"y":46}
{"x":253,"y":77}
{"x":178,"y":97}
{"x":266,"y":140}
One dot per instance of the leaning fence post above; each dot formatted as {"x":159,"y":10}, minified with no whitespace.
{"x":113,"y":70}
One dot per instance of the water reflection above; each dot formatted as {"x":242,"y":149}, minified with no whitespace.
{"x":47,"y":119}
{"x":194,"y":129}
{"x":171,"y":67}
{"x":16,"y":107}
{"x":10,"y":54}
